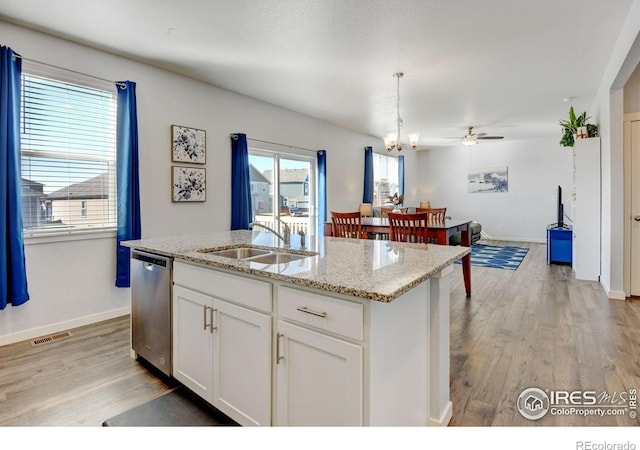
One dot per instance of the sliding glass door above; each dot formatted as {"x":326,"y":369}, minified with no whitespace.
{"x":283,"y":186}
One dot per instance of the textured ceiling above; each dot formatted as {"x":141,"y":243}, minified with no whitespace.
{"x":503,"y":66}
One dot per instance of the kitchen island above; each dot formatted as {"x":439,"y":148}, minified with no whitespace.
{"x":342,"y":332}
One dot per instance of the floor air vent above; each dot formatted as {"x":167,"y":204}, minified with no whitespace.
{"x":50,"y":338}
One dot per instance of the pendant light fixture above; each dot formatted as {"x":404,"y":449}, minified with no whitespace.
{"x":392,"y":140}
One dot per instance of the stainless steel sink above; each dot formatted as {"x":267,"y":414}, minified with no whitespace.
{"x":277,"y":258}
{"x":259,"y":255}
{"x":238,"y":252}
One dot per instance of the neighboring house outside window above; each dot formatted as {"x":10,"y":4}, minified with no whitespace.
{"x":259,"y":191}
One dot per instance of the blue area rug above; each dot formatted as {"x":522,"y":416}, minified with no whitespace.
{"x":496,"y":256}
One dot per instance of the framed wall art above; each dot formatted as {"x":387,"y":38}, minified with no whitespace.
{"x":188,"y":184}
{"x":188,"y":145}
{"x":488,"y":179}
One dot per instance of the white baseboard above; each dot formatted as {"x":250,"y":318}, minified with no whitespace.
{"x":513,"y":239}
{"x":616,"y":295}
{"x":63,"y":326}
{"x":445,"y":417}
{"x":613,"y":295}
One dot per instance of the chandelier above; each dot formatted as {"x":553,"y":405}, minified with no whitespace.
{"x":392,"y":140}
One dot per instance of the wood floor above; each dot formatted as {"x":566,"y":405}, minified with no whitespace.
{"x":81,"y":380}
{"x":538,"y":327}
{"x":532,"y":327}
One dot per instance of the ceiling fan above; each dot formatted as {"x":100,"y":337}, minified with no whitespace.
{"x":472,"y":138}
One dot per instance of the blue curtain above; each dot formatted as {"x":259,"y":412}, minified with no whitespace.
{"x":128,"y":182}
{"x":241,"y":211}
{"x":13,"y":273}
{"x":401,"y":175}
{"x":322,"y":190}
{"x":367,"y":196}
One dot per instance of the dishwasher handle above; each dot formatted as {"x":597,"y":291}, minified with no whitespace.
{"x":149,"y":259}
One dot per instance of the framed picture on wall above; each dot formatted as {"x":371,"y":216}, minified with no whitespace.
{"x":188,"y":184}
{"x":188,"y":145}
{"x":488,"y":179}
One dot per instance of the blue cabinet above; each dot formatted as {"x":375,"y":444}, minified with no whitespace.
{"x":559,"y":244}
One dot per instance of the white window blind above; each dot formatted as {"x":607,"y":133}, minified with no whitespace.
{"x":68,"y":144}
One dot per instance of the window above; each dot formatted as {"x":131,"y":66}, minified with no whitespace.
{"x":68,"y":144}
{"x":290,"y":178}
{"x":385,"y":178}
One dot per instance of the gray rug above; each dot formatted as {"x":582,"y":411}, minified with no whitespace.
{"x":178,"y":408}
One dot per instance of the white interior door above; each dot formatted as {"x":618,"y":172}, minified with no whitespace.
{"x":635,"y":208}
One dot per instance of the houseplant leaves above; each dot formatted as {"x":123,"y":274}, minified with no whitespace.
{"x":570,"y":127}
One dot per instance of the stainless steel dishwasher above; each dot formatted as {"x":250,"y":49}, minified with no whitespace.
{"x":151,"y":280}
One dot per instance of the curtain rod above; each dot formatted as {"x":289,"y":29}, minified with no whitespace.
{"x":121,"y":85}
{"x":235,"y":136}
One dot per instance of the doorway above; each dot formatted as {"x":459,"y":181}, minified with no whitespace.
{"x":632,"y":217}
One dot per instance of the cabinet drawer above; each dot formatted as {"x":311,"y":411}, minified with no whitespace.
{"x":255,"y":294}
{"x":326,"y":313}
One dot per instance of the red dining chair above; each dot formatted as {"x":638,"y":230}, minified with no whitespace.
{"x":409,"y":227}
{"x":435,"y":214}
{"x":348,"y":225}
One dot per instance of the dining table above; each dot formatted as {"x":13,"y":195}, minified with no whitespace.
{"x":440,"y":231}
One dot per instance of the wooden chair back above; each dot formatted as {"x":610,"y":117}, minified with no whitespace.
{"x":347,"y":225}
{"x":435,"y":214}
{"x":409,"y":227}
{"x":385,"y":210}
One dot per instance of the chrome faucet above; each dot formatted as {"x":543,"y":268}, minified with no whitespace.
{"x":286,"y":233}
{"x":285,"y":236}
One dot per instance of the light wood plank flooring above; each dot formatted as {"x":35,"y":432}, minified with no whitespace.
{"x":533,"y":327}
{"x":538,"y":327}
{"x":81,"y":380}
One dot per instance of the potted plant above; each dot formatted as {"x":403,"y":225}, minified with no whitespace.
{"x":570,"y":128}
{"x":396,"y":200}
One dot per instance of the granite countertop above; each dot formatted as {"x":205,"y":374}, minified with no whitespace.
{"x":368,"y":269}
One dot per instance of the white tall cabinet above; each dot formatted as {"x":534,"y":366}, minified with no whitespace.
{"x":586,"y":209}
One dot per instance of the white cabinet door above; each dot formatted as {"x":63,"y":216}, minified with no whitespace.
{"x":242,"y":363}
{"x":319,"y":379}
{"x":192,"y":342}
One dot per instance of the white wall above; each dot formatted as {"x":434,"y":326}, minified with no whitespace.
{"x":75,"y":280}
{"x":608,"y":110}
{"x":536,"y":167}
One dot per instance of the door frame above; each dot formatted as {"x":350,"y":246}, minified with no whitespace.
{"x":628,"y":176}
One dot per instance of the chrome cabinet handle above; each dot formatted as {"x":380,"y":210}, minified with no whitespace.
{"x":204,"y":316}
{"x":306,"y":310}
{"x":278,"y":356}
{"x":213,"y":310}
